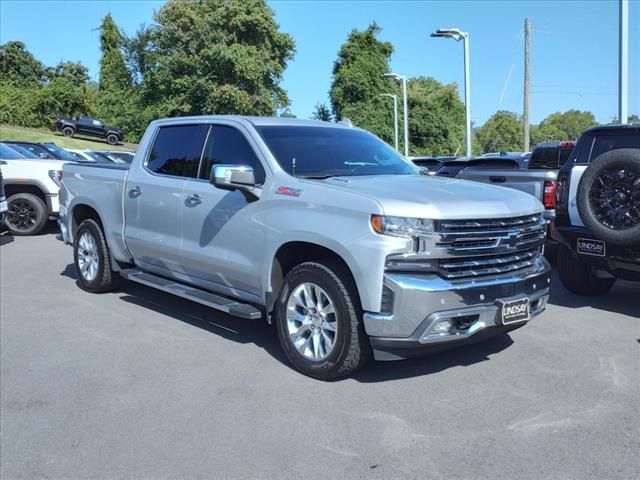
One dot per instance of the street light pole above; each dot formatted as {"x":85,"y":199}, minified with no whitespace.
{"x":395,"y":117}
{"x":623,"y":64}
{"x":405,"y":112}
{"x":458,"y":35}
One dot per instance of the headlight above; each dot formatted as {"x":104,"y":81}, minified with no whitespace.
{"x":56,"y":176}
{"x":401,"y":226}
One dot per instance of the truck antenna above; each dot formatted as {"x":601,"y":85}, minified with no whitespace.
{"x":293,"y":166}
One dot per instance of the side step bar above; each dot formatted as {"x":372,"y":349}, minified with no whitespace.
{"x":226,"y":305}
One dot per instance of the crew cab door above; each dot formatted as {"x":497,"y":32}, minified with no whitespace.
{"x":222,"y":233}
{"x":153,"y":201}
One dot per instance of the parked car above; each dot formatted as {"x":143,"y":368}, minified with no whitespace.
{"x":118,"y":156}
{"x":538,"y":179}
{"x":3,"y":198}
{"x":500,"y":159}
{"x":598,"y":211}
{"x":89,"y":155}
{"x":21,"y":150}
{"x":88,"y":126}
{"x":31,"y":187}
{"x":451,"y":168}
{"x":431,"y":164}
{"x":45,"y":150}
{"x":320,"y":228}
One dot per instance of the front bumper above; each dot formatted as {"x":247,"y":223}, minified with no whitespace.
{"x":420,"y":301}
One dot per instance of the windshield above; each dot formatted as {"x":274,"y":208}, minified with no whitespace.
{"x":328,"y":151}
{"x":24,"y":152}
{"x":8,"y":153}
{"x":60,"y":152}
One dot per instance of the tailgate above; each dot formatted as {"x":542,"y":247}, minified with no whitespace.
{"x":528,"y":181}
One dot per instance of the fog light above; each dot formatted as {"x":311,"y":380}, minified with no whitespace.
{"x":441,"y":327}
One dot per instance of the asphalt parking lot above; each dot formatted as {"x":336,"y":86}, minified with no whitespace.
{"x":138,"y":383}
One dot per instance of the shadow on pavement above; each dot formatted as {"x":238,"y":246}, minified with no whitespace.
{"x":5,"y":238}
{"x":264,"y":336}
{"x":437,"y":362}
{"x":622,"y":298}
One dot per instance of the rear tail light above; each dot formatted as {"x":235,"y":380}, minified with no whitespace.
{"x":549,"y":197}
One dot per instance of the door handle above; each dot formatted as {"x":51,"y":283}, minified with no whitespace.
{"x":498,"y":179}
{"x":135,"y":192}
{"x":194,"y":199}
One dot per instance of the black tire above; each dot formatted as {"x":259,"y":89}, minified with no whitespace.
{"x":105,"y":278}
{"x":352,"y":348}
{"x":609,"y":203}
{"x":26,"y":215}
{"x":112,"y":139}
{"x":68,"y":131}
{"x":579,"y":277}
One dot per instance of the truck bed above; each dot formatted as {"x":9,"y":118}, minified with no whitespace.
{"x":100,"y":186}
{"x":528,"y":181}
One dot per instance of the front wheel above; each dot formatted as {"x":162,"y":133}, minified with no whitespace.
{"x":68,"y":131}
{"x":112,"y":139}
{"x":92,"y":259}
{"x":26,"y":214}
{"x":319,"y":321}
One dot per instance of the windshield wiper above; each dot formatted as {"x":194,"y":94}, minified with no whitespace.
{"x":317,"y":177}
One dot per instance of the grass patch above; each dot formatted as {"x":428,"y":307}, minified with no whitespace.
{"x":8,"y":132}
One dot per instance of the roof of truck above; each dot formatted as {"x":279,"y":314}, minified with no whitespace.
{"x":258,"y":121}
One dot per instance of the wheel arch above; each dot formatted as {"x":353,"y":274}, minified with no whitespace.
{"x":293,"y":253}
{"x":11,"y":188}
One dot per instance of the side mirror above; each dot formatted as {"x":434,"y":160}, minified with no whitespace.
{"x":233,"y":177}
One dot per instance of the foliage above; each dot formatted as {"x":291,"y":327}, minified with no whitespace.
{"x":436,"y":117}
{"x":322,"y":112}
{"x":75,"y":72}
{"x":502,"y":132}
{"x":358,"y":82}
{"x":212,"y":57}
{"x":565,"y":126}
{"x":18,"y":66}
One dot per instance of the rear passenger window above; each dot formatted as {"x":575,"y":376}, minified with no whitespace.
{"x":177,"y":150}
{"x":226,"y":145}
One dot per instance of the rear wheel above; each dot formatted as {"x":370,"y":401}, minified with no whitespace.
{"x":92,"y":259}
{"x":609,"y":197}
{"x":68,"y":131}
{"x":319,"y":321}
{"x":112,"y":139}
{"x":580,"y":277}
{"x":26,"y":214}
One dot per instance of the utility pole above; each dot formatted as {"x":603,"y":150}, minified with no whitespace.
{"x":527,"y":83}
{"x":623,"y":64}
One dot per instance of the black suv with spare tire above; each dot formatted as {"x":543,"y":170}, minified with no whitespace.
{"x":598,"y":210}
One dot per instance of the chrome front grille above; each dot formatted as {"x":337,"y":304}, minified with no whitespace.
{"x":454,"y":268}
{"x":468,"y":249}
{"x":487,"y":225}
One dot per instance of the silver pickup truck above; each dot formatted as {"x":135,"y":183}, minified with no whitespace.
{"x":319,"y":228}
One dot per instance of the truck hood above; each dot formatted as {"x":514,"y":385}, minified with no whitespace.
{"x":28,"y":163}
{"x":438,"y":197}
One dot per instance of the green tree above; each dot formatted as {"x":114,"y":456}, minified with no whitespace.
{"x":436,"y":117}
{"x":322,"y":112}
{"x":75,"y":72}
{"x":565,"y":126}
{"x":114,"y":76}
{"x":117,"y":100}
{"x":502,"y":132}
{"x":18,"y":66}
{"x":213,"y":56}
{"x":358,"y":82}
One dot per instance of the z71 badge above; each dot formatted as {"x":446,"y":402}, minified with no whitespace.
{"x":288,"y":191}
